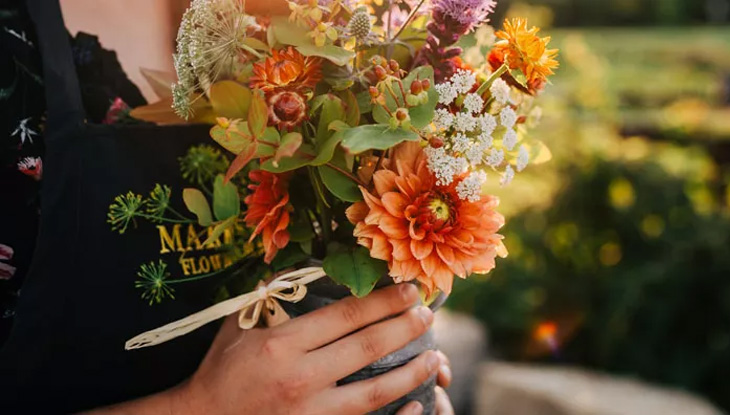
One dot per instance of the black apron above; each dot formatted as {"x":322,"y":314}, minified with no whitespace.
{"x":79,"y":304}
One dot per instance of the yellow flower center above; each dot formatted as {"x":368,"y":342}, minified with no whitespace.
{"x":439,"y":209}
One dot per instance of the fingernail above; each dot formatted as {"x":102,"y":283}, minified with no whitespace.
{"x":426,"y":315}
{"x":413,"y":408}
{"x":432,"y":361}
{"x":406,"y":291}
{"x":446,"y":371}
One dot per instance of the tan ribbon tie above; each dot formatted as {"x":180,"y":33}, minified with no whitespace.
{"x":290,"y":287}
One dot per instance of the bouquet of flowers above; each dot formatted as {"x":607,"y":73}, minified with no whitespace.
{"x":357,"y":135}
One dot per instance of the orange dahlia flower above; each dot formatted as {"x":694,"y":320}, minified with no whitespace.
{"x":286,"y":69}
{"x":522,"y":49}
{"x":268,"y":210}
{"x":424,"y":231}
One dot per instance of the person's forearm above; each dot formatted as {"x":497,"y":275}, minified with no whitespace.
{"x":169,"y":402}
{"x":266,"y":7}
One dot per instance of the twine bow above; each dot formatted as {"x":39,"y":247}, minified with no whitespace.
{"x":290,"y":287}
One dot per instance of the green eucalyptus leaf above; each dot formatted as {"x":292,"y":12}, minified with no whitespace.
{"x":343,"y":187}
{"x":268,"y":143}
{"x":230,"y":99}
{"x":226,"y":203}
{"x":326,"y":148}
{"x":196,"y":203}
{"x":332,"y":110}
{"x":301,"y":158}
{"x":234,"y":138}
{"x":218,"y":230}
{"x":364,"y":102}
{"x":355,"y":269}
{"x":375,"y":137}
{"x":258,"y":114}
{"x":289,"y":144}
{"x":256,"y":44}
{"x":288,"y":33}
{"x":352,"y":109}
{"x":335,"y":54}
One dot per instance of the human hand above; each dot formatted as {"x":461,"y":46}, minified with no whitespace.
{"x":293,"y":368}
{"x":443,"y":403}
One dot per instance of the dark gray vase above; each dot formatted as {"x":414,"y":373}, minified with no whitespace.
{"x":325,"y":291}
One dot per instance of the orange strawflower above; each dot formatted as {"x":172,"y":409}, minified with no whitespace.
{"x":522,"y":49}
{"x":424,"y":231}
{"x":268,"y":210}
{"x":286,"y":69}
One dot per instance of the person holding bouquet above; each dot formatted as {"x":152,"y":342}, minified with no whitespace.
{"x":306,"y":153}
{"x":281,"y":370}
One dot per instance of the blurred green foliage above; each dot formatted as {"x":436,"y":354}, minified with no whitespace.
{"x":620,"y":246}
{"x":631,"y":12}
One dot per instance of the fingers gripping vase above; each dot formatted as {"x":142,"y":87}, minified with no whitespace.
{"x":324,"y":292}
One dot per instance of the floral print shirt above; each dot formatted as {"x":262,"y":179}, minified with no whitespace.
{"x":107,"y":94}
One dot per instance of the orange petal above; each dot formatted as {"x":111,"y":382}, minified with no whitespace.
{"x":381,"y":249}
{"x":357,"y":212}
{"x":421,"y":249}
{"x":416,"y":232}
{"x":384,"y":181}
{"x":446,"y":253}
{"x":395,"y":203}
{"x":401,"y":249}
{"x":444,"y":279}
{"x":411,"y":269}
{"x":393,"y":227}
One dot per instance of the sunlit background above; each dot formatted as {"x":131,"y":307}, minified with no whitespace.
{"x":620,"y":245}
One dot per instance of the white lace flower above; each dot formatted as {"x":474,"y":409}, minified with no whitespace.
{"x":510,"y":139}
{"x":523,"y":157}
{"x":465,"y":122}
{"x":471,"y":187}
{"x":447,"y":93}
{"x":475,"y":154}
{"x":444,"y":166}
{"x":460,"y":143}
{"x":507,"y":177}
{"x":508,"y":117}
{"x":463,"y":81}
{"x":500,"y":91}
{"x":485,"y":140}
{"x":496,"y":156}
{"x":443,"y":119}
{"x":487,"y":123}
{"x":473,"y":103}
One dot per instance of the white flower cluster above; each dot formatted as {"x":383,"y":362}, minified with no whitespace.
{"x":471,"y":187}
{"x":444,"y":165}
{"x":468,"y":136}
{"x":500,"y":91}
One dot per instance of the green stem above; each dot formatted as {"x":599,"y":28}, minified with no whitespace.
{"x":151,"y":217}
{"x":488,"y":83}
{"x":176,"y":213}
{"x":408,"y":20}
{"x":322,"y":206}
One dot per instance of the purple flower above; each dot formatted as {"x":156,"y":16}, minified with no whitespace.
{"x":469,"y":13}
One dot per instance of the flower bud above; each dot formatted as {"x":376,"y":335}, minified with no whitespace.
{"x":374,"y":93}
{"x":380,"y":72}
{"x":436,"y":142}
{"x":416,"y":87}
{"x":394,"y":66}
{"x":401,"y":114}
{"x":413,"y":100}
{"x":426,"y":84}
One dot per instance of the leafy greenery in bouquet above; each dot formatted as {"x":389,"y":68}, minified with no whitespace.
{"x":356,"y":133}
